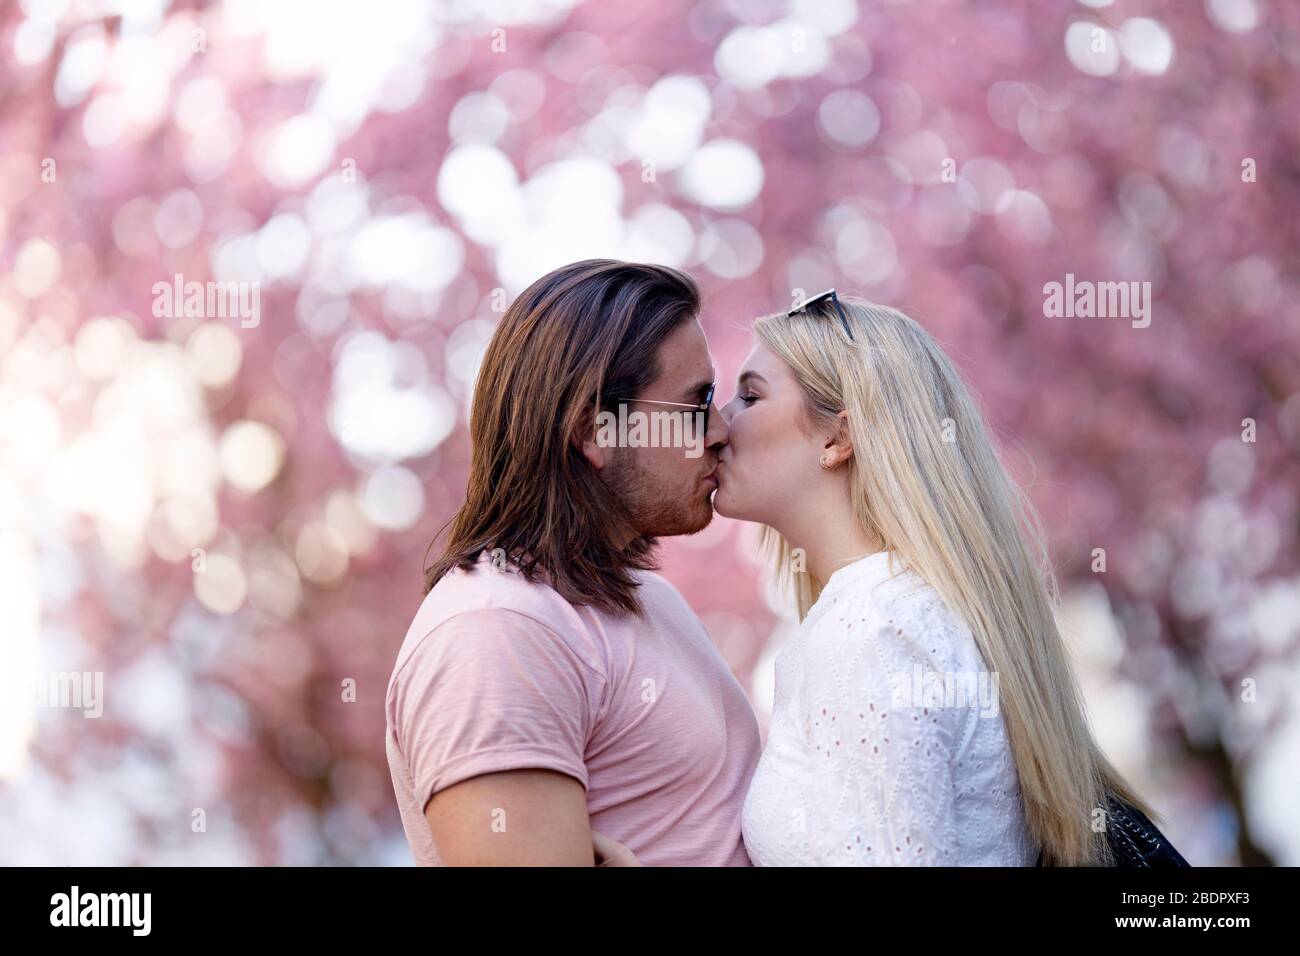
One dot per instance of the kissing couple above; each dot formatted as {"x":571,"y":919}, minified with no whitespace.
{"x":556,"y":702}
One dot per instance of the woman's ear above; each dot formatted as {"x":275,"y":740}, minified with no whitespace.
{"x":839,"y":444}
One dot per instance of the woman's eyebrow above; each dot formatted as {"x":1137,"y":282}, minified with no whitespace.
{"x":748,"y":374}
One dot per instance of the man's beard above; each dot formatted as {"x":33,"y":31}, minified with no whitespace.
{"x":654,"y":512}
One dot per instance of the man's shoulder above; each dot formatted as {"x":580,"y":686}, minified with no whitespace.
{"x":484,"y":592}
{"x":659,"y":595}
{"x":654,"y":581}
{"x":487,"y":585}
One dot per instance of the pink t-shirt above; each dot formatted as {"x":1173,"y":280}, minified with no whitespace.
{"x":497,"y":673}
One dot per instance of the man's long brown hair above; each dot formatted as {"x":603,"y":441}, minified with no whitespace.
{"x":575,"y":341}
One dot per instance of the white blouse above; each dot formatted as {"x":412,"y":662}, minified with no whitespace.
{"x":886,"y":745}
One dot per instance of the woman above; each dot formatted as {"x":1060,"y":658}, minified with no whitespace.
{"x":925,"y":712}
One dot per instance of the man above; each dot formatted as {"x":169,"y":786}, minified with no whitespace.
{"x":551,"y":684}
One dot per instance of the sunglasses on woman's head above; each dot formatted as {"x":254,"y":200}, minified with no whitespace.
{"x":818,"y":300}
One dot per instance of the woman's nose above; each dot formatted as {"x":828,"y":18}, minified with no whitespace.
{"x":717,"y":433}
{"x":728,"y":410}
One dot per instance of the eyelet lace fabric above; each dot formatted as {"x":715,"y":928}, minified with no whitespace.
{"x":886,"y":745}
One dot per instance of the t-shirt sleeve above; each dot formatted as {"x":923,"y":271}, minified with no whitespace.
{"x":492,"y":690}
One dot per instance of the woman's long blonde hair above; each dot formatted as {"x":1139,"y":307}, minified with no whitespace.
{"x":926,"y":481}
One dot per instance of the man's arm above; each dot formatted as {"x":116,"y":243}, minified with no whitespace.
{"x":512,"y":818}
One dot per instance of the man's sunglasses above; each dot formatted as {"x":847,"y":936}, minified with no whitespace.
{"x":702,"y":407}
{"x":818,"y":300}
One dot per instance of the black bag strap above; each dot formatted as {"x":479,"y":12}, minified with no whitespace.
{"x":1134,"y":840}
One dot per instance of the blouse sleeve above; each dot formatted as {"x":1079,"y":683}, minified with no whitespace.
{"x":885,"y":789}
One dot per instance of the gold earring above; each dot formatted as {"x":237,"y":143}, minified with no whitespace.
{"x":826,"y":462}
